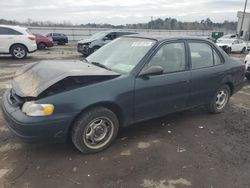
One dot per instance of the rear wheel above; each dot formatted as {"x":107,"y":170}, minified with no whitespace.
{"x":220,"y":100}
{"x":243,"y":50}
{"x":41,"y":46}
{"x":18,"y":51}
{"x":95,"y":130}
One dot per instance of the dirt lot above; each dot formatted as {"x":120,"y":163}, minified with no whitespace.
{"x":187,"y":149}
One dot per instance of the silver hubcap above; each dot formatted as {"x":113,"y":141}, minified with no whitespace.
{"x":98,"y":132}
{"x":19,"y":52}
{"x":221,"y":99}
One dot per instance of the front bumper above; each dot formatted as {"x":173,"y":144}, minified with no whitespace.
{"x":84,"y":49}
{"x":50,"y":44}
{"x":35,"y":129}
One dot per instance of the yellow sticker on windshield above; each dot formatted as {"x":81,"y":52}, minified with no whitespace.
{"x":142,"y":44}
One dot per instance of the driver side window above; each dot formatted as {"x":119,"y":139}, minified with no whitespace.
{"x":171,"y":57}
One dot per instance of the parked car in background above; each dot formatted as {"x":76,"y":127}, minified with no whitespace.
{"x":232,"y":45}
{"x":58,"y":38}
{"x":43,"y":42}
{"x":88,"y":46}
{"x":247,"y":63}
{"x":17,"y":41}
{"x":132,"y":79}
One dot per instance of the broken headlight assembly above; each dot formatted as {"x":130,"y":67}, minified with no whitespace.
{"x":30,"y":108}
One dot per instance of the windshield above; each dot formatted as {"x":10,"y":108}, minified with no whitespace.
{"x":226,"y":41}
{"x":99,"y":35}
{"x":121,"y":55}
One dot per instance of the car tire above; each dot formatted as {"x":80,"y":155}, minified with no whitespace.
{"x":229,"y":50}
{"x":220,"y":100}
{"x":243,"y":50}
{"x":94,"y":130}
{"x":18,"y":51}
{"x":41,"y":46}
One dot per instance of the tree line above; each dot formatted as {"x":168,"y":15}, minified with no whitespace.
{"x":167,"y":23}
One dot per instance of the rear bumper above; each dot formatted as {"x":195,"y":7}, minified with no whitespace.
{"x":35,"y":129}
{"x":240,"y":86}
{"x":32,"y":48}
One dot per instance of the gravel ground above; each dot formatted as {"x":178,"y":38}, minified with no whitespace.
{"x":186,"y":149}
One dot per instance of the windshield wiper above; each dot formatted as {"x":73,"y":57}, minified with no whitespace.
{"x":100,"y":65}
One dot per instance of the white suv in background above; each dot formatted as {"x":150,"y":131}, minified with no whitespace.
{"x":17,"y":41}
{"x":247,"y":63}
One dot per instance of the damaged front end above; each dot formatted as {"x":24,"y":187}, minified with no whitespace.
{"x":50,"y":77}
{"x":32,"y":85}
{"x":42,"y":79}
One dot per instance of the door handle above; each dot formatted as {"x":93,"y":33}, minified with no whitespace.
{"x":10,"y":37}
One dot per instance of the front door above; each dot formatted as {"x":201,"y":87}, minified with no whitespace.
{"x":161,"y":94}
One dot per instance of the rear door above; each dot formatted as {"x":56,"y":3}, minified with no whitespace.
{"x":208,"y":71}
{"x":7,"y":38}
{"x":161,"y":94}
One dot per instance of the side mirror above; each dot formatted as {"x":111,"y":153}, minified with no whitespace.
{"x":105,"y":38}
{"x":151,"y":71}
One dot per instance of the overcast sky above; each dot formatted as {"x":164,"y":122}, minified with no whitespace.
{"x":119,"y":11}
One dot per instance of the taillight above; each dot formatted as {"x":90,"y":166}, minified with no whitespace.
{"x":31,"y":37}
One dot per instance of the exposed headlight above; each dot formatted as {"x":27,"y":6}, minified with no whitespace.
{"x":33,"y":109}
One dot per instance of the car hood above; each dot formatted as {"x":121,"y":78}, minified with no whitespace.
{"x":223,"y":44}
{"x":32,"y":79}
{"x":85,"y":41}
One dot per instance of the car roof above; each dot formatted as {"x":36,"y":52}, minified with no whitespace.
{"x":163,"y":37}
{"x":15,"y":27}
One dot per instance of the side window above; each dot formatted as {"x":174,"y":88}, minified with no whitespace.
{"x":13,"y":32}
{"x":3,"y":31}
{"x":171,"y":57}
{"x":8,"y":31}
{"x":201,"y":55}
{"x":217,"y":59}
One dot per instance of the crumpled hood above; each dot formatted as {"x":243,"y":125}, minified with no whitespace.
{"x":32,"y":79}
{"x":223,"y":44}
{"x":85,"y":41}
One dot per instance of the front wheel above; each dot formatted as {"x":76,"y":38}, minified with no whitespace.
{"x":220,"y":100}
{"x":94,"y":130}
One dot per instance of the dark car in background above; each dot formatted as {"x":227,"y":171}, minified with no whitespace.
{"x":58,"y":38}
{"x":88,"y":46}
{"x":132,"y":79}
{"x":43,"y":42}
